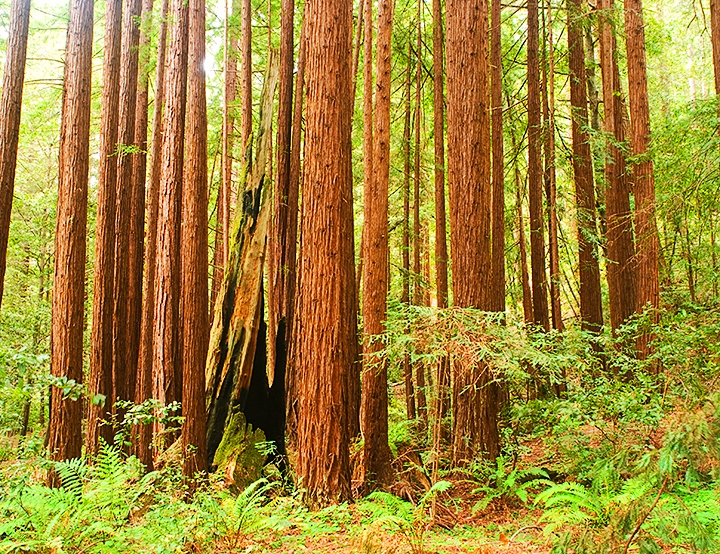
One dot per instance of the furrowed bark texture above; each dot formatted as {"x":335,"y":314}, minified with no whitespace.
{"x":101,"y":344}
{"x":621,"y":265}
{"x":124,"y":349}
{"x":167,"y":365}
{"x":537,"y":239}
{"x":475,"y":406}
{"x":498,"y":164}
{"x":589,"y":267}
{"x":648,"y":247}
{"x":324,"y":339}
{"x":66,"y":359}
{"x":376,"y":453}
{"x":11,"y":107}
{"x":195,"y":254}
{"x":145,"y":381}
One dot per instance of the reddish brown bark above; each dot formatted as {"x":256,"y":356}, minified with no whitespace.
{"x":647,"y":244}
{"x":589,"y":268}
{"x":376,"y":452}
{"x":549,"y":175}
{"x":167,"y":365}
{"x":229,"y":92}
{"x":475,"y":406}
{"x":195,"y":254}
{"x":11,"y":108}
{"x":145,"y":383}
{"x":620,"y":246}
{"x":101,"y":344}
{"x":246,"y":75}
{"x":498,"y":165}
{"x":124,"y":366}
{"x":325,"y":342}
{"x":537,"y":238}
{"x":66,"y":359}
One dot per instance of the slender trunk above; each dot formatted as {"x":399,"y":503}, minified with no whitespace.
{"x":246,"y":75}
{"x":647,"y":246}
{"x":124,"y":366}
{"x":195,"y":254}
{"x":325,"y":343}
{"x":537,"y":238}
{"x":549,"y":169}
{"x":145,"y":383}
{"x":441,"y":253}
{"x":419,"y":286}
{"x":66,"y":359}
{"x":280,"y":249}
{"x":498,"y":167}
{"x":620,"y":245}
{"x":100,"y":382}
{"x":11,"y":107}
{"x":376,"y":455}
{"x":167,"y":364}
{"x":229,"y":91}
{"x":589,"y":267}
{"x":405,"y":298}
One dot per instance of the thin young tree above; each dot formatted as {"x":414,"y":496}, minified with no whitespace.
{"x":620,"y":244}
{"x":145,"y":382}
{"x":101,"y":345}
{"x":246,"y":75}
{"x":11,"y":108}
{"x":324,"y":342}
{"x":498,"y":164}
{"x":66,"y":358}
{"x":646,"y":236}
{"x":537,"y":239}
{"x":475,"y":406}
{"x":377,"y":456}
{"x":167,"y":365}
{"x":589,"y":267}
{"x":195,"y":253}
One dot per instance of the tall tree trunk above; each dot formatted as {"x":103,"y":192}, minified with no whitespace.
{"x":475,"y":393}
{"x":228,"y":132}
{"x":589,"y":267}
{"x":137,"y":209}
{"x":11,"y":107}
{"x":290,"y":375}
{"x":66,"y":359}
{"x":376,"y":452}
{"x":537,"y":238}
{"x":167,"y":365}
{"x":549,"y":174}
{"x":124,"y":366}
{"x":325,"y":351}
{"x":419,"y":286}
{"x":195,"y":253}
{"x":280,"y":249}
{"x":441,"y":252}
{"x":101,"y":344}
{"x":648,"y":247}
{"x":246,"y":75}
{"x":620,"y":246}
{"x":405,"y":297}
{"x":145,"y":382}
{"x":498,"y":164}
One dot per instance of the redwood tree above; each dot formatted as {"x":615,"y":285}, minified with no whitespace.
{"x":66,"y":358}
{"x":589,"y":267}
{"x":195,"y":253}
{"x":475,"y":393}
{"x":498,"y":165}
{"x":648,"y":247}
{"x":376,"y":454}
{"x":101,"y":345}
{"x":324,"y":341}
{"x":10,"y":107}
